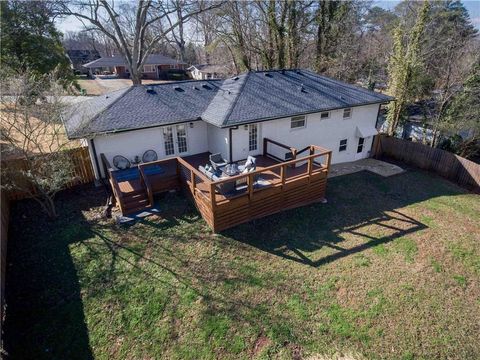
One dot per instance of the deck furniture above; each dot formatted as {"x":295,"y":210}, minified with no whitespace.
{"x":121,"y":162}
{"x":249,"y":166}
{"x":231,"y":170}
{"x":149,"y":156}
{"x":216,"y":175}
{"x":217,"y":161}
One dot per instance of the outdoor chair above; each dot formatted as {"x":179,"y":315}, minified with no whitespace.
{"x":217,"y":161}
{"x":121,"y":162}
{"x":149,"y":155}
{"x":249,"y":166}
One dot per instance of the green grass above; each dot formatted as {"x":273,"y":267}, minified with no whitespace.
{"x":388,"y":268}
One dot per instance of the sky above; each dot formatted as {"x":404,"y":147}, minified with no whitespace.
{"x":473,"y":7}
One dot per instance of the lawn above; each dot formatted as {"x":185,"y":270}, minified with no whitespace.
{"x":388,"y":268}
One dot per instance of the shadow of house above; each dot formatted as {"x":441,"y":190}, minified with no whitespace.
{"x":316,"y":235}
{"x":42,"y":282}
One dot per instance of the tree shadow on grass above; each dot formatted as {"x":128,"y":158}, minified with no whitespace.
{"x":45,"y":316}
{"x":360,"y":205}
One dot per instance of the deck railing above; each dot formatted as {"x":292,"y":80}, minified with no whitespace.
{"x":249,"y":193}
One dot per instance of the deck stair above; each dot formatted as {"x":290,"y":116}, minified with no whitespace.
{"x":135,"y":201}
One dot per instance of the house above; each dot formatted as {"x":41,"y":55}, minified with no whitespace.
{"x":285,"y":118}
{"x":205,"y":71}
{"x":80,"y":57}
{"x":156,"y":66}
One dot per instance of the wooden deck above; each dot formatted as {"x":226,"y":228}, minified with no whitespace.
{"x":273,"y":187}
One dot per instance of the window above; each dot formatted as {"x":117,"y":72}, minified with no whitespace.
{"x":168,"y":140}
{"x":297,"y":122}
{"x":325,"y":115}
{"x":361,"y":141}
{"x":182,"y":138}
{"x":148,"y":68}
{"x":343,"y":145}
{"x":252,"y":137}
{"x":347,"y":113}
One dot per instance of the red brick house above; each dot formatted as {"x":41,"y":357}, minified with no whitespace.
{"x":156,"y":67}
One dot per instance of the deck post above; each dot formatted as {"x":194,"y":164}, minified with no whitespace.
{"x":192,"y":182}
{"x":212,"y":196}
{"x":265,"y":140}
{"x":294,"y":157}
{"x":329,"y":159}
{"x":250,"y":187}
{"x":282,"y":174}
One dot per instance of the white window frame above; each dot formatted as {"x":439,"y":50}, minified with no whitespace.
{"x":252,"y":137}
{"x":343,"y":145}
{"x":350,"y":110}
{"x":298,"y":119}
{"x":148,"y":68}
{"x":325,"y":112}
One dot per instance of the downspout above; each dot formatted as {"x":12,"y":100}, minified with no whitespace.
{"x":95,"y":157}
{"x":230,"y":145}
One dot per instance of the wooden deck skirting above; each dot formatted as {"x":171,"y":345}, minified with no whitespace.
{"x":275,"y":186}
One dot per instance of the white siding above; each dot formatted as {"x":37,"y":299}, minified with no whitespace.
{"x":326,"y":133}
{"x":136,"y":142}
{"x":218,"y":140}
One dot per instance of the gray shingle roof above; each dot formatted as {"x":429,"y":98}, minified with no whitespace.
{"x":118,"y":60}
{"x":138,"y":107}
{"x":250,"y":97}
{"x":274,"y":94}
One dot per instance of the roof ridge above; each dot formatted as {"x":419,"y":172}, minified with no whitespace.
{"x":234,"y":102}
{"x":341,"y":82}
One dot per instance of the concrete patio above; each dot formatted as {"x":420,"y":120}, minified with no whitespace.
{"x":376,"y":166}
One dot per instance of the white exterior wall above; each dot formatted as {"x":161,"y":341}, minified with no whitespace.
{"x":326,"y":133}
{"x":136,"y":142}
{"x":218,"y":140}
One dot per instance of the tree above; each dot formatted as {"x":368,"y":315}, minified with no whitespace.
{"x":32,"y":132}
{"x":449,"y":55}
{"x":463,"y":115}
{"x":135,"y":28}
{"x":30,"y":40}
{"x":404,"y":67}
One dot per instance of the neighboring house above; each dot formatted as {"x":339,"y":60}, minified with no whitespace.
{"x":156,"y":66}
{"x":78,"y":58}
{"x":205,"y":72}
{"x":230,"y":117}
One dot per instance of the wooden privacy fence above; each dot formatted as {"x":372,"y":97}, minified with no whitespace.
{"x":83,"y":170}
{"x":453,"y":167}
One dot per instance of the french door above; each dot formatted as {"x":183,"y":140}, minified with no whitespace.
{"x":175,"y":139}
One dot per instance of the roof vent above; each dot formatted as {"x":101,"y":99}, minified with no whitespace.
{"x":268,"y":75}
{"x":236,"y":78}
{"x":302,"y":89}
{"x":151,"y":90}
{"x":299,"y":72}
{"x":179,"y":89}
{"x":195,"y":88}
{"x":205,"y":86}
